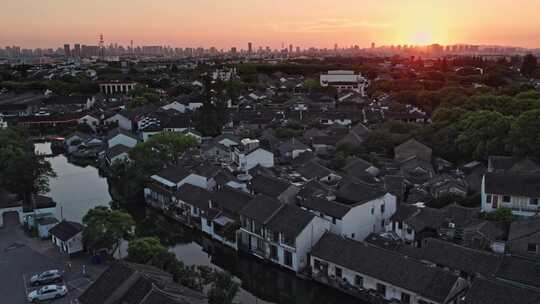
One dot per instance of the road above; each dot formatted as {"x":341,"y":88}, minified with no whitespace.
{"x":21,"y":257}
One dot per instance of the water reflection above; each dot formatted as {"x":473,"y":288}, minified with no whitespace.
{"x":76,"y":189}
{"x":270,"y":284}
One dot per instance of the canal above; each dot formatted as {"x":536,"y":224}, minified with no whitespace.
{"x":76,"y":189}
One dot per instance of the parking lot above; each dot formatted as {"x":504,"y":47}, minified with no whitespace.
{"x":21,"y":257}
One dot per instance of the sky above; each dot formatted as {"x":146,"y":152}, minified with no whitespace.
{"x":305,"y":23}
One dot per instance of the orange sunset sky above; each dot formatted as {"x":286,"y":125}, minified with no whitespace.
{"x":226,"y":23}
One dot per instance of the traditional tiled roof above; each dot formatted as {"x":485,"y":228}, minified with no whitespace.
{"x":387,"y":266}
{"x":509,"y":183}
{"x":65,"y":230}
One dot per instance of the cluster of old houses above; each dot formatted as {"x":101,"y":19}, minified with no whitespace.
{"x":364,"y":229}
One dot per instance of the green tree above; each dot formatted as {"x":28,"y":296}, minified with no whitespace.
{"x":499,"y":215}
{"x":21,"y":171}
{"x":525,"y":133}
{"x":144,"y":249}
{"x":529,"y":65}
{"x":161,"y":148}
{"x":483,"y":133}
{"x":106,"y":228}
{"x":223,"y":289}
{"x":445,"y":115}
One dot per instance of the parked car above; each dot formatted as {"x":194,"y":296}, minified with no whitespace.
{"x":47,"y":293}
{"x":46,"y":277}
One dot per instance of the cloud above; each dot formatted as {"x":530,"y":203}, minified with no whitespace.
{"x":327,"y":25}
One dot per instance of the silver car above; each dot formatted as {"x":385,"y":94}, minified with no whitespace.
{"x":46,"y":277}
{"x":47,"y":293}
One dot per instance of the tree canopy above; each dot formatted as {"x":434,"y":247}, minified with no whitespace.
{"x":21,"y":171}
{"x":105,"y":228}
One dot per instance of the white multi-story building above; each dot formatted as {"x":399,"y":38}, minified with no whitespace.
{"x":345,"y":80}
{"x":249,"y":154}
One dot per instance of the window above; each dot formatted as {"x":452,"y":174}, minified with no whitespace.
{"x":531,"y":248}
{"x":339,"y":272}
{"x":381,"y":288}
{"x":372,"y":210}
{"x":382,"y":208}
{"x":260,"y":244}
{"x":273,"y":252}
{"x":488,"y":199}
{"x":358,"y":280}
{"x":400,"y":225}
{"x":288,"y":258}
{"x":317,"y":264}
{"x":334,"y":220}
{"x":533,"y":201}
{"x":409,"y":231}
{"x":405,"y":298}
{"x":352,"y":235}
{"x":382,"y":223}
{"x":506,"y":199}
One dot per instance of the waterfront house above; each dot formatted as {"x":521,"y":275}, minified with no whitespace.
{"x":222,"y":220}
{"x":116,"y":154}
{"x":282,"y":234}
{"x":370,"y":209}
{"x":358,"y":266}
{"x":191,"y":201}
{"x":519,"y":192}
{"x":68,"y":237}
{"x":74,"y":141}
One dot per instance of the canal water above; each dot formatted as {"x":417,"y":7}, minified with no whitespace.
{"x":76,"y":189}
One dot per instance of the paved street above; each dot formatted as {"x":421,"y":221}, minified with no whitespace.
{"x":21,"y":257}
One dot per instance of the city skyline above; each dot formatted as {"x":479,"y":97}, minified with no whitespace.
{"x":314,"y":23}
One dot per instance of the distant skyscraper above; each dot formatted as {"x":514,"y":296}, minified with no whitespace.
{"x":298,"y":49}
{"x":373,"y":45}
{"x":77,"y":51}
{"x":335,"y":46}
{"x":101,"y":46}
{"x":67,"y":51}
{"x":290,"y":48}
{"x":233,"y":50}
{"x":250,"y":48}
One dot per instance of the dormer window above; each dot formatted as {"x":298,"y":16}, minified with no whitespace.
{"x":533,"y":201}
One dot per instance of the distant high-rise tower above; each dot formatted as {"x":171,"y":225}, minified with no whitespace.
{"x":101,"y":46}
{"x":77,"y":51}
{"x":373,"y":45}
{"x":67,"y":51}
{"x":131,"y":46}
{"x":250,"y":47}
{"x":290,"y":48}
{"x":335,"y":46}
